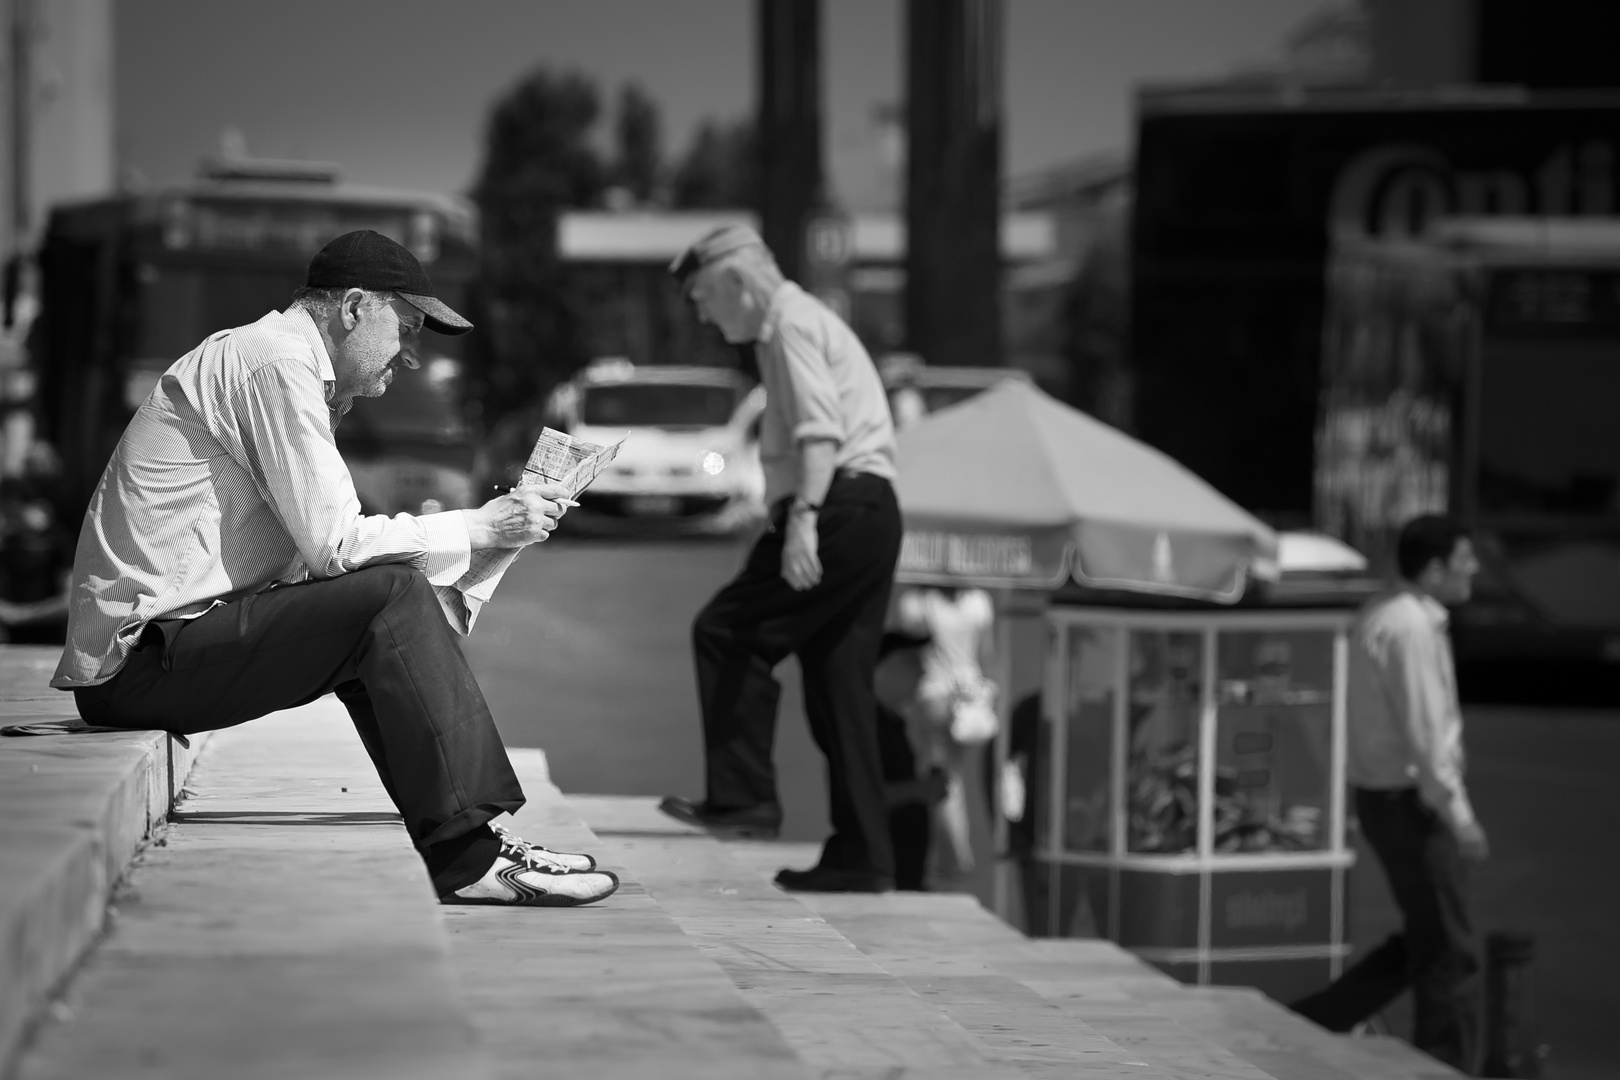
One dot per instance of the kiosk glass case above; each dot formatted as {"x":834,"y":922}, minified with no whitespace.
{"x":1199,"y":761}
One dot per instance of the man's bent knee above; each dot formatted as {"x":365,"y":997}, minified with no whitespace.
{"x":394,"y":581}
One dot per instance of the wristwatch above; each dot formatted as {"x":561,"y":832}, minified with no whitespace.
{"x":802,"y":505}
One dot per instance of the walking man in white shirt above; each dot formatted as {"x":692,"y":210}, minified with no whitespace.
{"x":224,"y":571}
{"x":815,"y":585}
{"x":1406,"y":771}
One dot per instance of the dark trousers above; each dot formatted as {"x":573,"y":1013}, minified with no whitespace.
{"x":378,"y":640}
{"x":753,"y":623}
{"x":910,"y":824}
{"x":1436,"y":955}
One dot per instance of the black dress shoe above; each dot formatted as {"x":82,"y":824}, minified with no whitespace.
{"x":761,"y":822}
{"x":825,"y":879}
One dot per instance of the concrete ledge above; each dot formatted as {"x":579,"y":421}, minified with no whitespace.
{"x":285,"y":927}
{"x":74,"y":809}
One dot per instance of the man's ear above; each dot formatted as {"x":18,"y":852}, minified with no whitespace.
{"x":349,"y":308}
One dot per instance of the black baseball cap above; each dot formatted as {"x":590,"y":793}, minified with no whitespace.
{"x":369,"y":260}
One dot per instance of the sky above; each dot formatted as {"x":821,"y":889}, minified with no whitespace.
{"x":397,"y":92}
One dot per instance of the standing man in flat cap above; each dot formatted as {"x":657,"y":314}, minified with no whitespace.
{"x":224,"y":571}
{"x":815,"y":585}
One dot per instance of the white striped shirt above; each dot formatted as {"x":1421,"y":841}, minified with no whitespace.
{"x":227,"y":480}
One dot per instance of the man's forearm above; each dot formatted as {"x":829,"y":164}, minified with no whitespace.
{"x":818,"y":460}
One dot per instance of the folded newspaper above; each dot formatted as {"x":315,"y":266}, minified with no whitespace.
{"x":557,"y":458}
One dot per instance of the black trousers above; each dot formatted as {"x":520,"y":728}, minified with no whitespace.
{"x":1436,"y":954}
{"x":753,"y":623}
{"x":378,"y":640}
{"x":910,"y":824}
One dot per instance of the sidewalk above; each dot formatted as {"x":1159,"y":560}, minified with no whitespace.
{"x":280,"y":926}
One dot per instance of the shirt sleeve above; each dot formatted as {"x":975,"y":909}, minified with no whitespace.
{"x":283,"y":436}
{"x":812,"y":410}
{"x":449,"y":548}
{"x":1424,"y":700}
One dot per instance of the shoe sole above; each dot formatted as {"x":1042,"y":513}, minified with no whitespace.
{"x":543,"y":900}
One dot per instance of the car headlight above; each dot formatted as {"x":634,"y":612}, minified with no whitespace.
{"x":713,"y":463}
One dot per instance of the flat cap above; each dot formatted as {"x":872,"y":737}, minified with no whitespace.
{"x":712,"y":246}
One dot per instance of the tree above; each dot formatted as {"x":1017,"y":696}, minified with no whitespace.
{"x":639,"y":167}
{"x":720,"y":170}
{"x":538,"y":160}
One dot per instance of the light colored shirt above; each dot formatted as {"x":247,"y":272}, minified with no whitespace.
{"x":819,"y":384}
{"x":227,"y":480}
{"x":955,"y":627}
{"x":1405,"y":720}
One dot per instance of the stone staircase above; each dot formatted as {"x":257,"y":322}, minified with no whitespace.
{"x":282,"y":928}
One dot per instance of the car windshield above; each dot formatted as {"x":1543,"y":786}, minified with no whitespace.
{"x":665,"y":405}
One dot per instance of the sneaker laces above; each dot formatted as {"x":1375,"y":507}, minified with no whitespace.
{"x":533,"y":856}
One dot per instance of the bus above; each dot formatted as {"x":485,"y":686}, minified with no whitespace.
{"x":1474,"y":370}
{"x":132,"y":282}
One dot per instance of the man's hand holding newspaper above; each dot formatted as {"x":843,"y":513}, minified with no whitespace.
{"x":565,"y":466}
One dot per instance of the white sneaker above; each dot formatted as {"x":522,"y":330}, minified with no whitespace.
{"x":525,"y":876}
{"x":578,"y":863}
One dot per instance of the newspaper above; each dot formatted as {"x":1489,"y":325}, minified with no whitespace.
{"x":558,"y":459}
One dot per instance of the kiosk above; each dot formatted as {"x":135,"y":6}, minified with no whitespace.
{"x":1197,"y":758}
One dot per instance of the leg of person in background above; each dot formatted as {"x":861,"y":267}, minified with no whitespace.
{"x":378,"y":638}
{"x":755,"y":621}
{"x":738,"y":639}
{"x":1442,"y":949}
{"x":1435,"y":954}
{"x":858,"y":545}
{"x":842,"y":714}
{"x":906,"y":799}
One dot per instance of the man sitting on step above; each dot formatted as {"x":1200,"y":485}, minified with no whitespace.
{"x":224,"y":571}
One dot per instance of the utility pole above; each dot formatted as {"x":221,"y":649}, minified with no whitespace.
{"x":20,"y":30}
{"x":953,"y":181}
{"x":788,"y":128}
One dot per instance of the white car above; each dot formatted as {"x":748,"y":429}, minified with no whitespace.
{"x":691,"y":442}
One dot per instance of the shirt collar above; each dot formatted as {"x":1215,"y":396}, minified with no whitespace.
{"x":1434,"y":609}
{"x":304,"y":323}
{"x":773,"y":311}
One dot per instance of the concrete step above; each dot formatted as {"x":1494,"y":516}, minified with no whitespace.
{"x":908,"y":933}
{"x":845,"y":1012}
{"x":74,"y":810}
{"x":613,"y":989}
{"x":1257,"y":1029}
{"x":1091,"y":981}
{"x":1184,"y":1032}
{"x":286,"y":929}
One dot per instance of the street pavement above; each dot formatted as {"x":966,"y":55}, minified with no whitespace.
{"x":584,"y":653}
